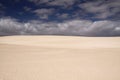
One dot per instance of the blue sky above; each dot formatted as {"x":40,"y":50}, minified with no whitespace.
{"x":60,"y":17}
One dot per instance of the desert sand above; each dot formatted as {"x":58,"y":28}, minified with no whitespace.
{"x":59,"y":58}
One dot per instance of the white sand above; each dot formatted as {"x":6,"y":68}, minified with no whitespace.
{"x":59,"y":58}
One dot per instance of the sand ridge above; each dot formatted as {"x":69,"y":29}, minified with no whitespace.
{"x":63,"y":41}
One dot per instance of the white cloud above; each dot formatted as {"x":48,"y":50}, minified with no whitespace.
{"x":37,"y":2}
{"x":103,"y":28}
{"x":63,"y":3}
{"x":43,"y":13}
{"x":102,"y":9}
{"x":9,"y":26}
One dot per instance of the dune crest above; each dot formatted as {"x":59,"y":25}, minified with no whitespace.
{"x":63,"y":41}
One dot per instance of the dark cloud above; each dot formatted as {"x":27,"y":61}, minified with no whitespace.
{"x":2,"y":8}
{"x":27,"y":8}
{"x":72,"y":27}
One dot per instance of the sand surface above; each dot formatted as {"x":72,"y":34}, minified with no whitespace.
{"x":59,"y":58}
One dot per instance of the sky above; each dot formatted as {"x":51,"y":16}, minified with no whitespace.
{"x":60,"y":17}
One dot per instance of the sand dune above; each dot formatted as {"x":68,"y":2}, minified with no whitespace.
{"x":59,"y":58}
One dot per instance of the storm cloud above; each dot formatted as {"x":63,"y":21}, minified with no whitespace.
{"x":10,"y":26}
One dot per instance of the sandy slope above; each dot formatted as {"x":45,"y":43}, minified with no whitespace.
{"x":59,"y":58}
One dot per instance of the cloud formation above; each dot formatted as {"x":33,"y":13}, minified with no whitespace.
{"x":43,"y":13}
{"x":9,"y":26}
{"x":60,"y":17}
{"x":102,"y":9}
{"x":62,"y":3}
{"x":95,"y":9}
